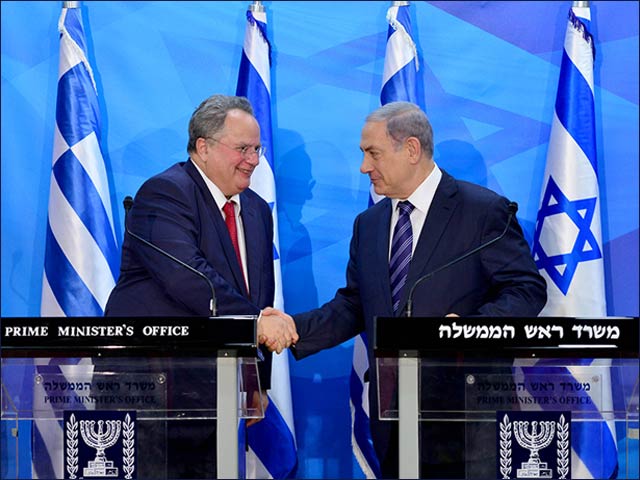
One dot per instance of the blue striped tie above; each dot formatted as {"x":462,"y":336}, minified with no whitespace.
{"x":400,"y":253}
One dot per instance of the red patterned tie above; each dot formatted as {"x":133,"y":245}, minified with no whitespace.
{"x":230,"y":220}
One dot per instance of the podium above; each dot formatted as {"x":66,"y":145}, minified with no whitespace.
{"x":509,"y":397}
{"x":118,"y":387}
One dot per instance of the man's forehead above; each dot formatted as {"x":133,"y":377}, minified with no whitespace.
{"x":373,"y":133}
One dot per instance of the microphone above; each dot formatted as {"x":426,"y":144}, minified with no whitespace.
{"x":128,"y":203}
{"x":512,"y":208}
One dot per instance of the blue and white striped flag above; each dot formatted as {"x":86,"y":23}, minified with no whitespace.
{"x":399,"y":83}
{"x":568,"y":240}
{"x":400,"y":75}
{"x":272,"y":446}
{"x":81,"y":255}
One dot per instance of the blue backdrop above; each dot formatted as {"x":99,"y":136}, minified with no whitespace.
{"x":489,"y":74}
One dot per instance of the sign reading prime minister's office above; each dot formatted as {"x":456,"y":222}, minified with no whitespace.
{"x":533,"y":407}
{"x":99,"y":336}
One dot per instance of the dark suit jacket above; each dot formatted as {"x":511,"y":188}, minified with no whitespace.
{"x":175,"y":211}
{"x":502,"y":280}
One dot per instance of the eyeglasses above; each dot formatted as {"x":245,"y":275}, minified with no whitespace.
{"x":245,"y":150}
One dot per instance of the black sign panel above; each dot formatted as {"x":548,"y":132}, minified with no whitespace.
{"x":128,"y":336}
{"x":507,"y":337}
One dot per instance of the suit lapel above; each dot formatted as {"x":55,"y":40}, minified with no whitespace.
{"x":442,"y":208}
{"x":252,"y":236}
{"x":381,"y":260}
{"x":220,"y":228}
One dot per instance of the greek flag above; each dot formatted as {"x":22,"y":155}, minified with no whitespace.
{"x":81,"y":256}
{"x":81,"y":253}
{"x":399,"y":83}
{"x":568,"y":240}
{"x":272,"y":447}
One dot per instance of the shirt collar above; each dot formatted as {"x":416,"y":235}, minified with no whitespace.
{"x":422,"y":196}
{"x":216,"y":193}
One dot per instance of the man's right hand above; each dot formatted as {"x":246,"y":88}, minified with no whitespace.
{"x":276,"y":330}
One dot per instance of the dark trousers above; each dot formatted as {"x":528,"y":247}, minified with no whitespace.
{"x":191,"y":449}
{"x":460,"y":448}
{"x":177,"y":434}
{"x":191,"y":430}
{"x":442,"y":451}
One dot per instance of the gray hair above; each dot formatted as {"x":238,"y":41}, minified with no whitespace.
{"x":404,"y":120}
{"x":208,"y":119}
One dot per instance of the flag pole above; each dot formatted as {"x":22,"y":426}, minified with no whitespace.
{"x":400,"y":4}
{"x":581,"y":4}
{"x":256,"y":6}
{"x":264,"y":457}
{"x":70,"y":4}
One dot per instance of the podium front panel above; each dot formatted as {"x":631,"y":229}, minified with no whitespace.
{"x":128,"y":396}
{"x":479,"y":414}
{"x":82,"y":417}
{"x":507,"y":397}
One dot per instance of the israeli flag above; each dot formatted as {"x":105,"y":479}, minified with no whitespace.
{"x":568,"y":239}
{"x":272,"y":447}
{"x":399,"y":83}
{"x":81,"y":254}
{"x":400,"y":74}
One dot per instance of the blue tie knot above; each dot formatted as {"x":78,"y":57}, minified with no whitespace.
{"x":405,"y":207}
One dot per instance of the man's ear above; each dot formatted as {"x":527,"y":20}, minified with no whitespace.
{"x":412,"y":144}
{"x":201,"y":146}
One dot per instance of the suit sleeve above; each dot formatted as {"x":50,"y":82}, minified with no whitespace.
{"x":516,"y":287}
{"x":337,"y":320}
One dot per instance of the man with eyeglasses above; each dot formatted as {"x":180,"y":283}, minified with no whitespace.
{"x":203,"y":213}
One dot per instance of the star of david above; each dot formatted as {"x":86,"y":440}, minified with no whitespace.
{"x":561,"y":267}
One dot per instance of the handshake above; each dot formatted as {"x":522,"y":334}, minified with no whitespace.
{"x":276,"y":330}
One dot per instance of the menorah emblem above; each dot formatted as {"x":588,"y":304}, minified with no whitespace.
{"x":100,"y":440}
{"x":534,"y":441}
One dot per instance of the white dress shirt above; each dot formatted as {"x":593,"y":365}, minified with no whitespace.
{"x":421,"y":199}
{"x":220,"y":200}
